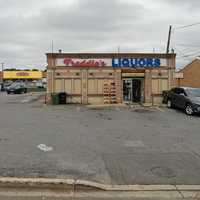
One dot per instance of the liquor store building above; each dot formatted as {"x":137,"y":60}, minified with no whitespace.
{"x":104,"y":78}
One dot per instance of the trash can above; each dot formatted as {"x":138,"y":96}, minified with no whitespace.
{"x":165,"y":96}
{"x":55,"y":99}
{"x":62,"y":98}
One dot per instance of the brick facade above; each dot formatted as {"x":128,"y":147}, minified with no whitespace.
{"x":91,"y":84}
{"x":191,"y":74}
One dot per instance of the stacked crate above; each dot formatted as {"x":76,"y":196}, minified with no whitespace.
{"x":109,"y":93}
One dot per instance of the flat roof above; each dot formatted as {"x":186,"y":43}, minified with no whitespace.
{"x":110,"y":55}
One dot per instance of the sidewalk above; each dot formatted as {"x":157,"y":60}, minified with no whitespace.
{"x":79,"y":189}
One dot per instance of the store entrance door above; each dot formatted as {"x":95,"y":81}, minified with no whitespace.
{"x":136,"y":90}
{"x":132,"y":90}
{"x":127,"y":90}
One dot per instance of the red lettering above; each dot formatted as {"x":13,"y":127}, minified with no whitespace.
{"x":103,"y":64}
{"x":84,"y":62}
{"x":96,"y":64}
{"x":67,"y":61}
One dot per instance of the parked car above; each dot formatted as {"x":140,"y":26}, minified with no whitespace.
{"x":17,"y":88}
{"x":184,"y":98}
{"x":6,"y":85}
{"x":39,"y":84}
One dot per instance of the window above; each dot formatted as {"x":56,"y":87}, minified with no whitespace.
{"x":179,"y":91}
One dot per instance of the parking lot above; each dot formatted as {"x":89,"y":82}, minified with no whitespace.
{"x":118,"y":145}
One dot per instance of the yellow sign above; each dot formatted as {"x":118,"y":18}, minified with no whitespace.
{"x":22,"y":75}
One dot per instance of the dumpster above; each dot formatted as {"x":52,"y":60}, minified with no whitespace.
{"x":62,"y":98}
{"x":55,"y":99}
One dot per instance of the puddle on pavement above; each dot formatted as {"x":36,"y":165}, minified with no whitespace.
{"x":164,"y":172}
{"x":134,"y":143}
{"x":142,"y":110}
{"x":103,"y":116}
{"x":4,"y":139}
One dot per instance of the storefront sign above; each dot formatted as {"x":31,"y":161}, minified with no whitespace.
{"x":74,"y":62}
{"x":115,"y":62}
{"x":22,"y":75}
{"x":138,"y":62}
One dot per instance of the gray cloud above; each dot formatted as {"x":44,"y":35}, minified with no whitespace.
{"x":27,"y":27}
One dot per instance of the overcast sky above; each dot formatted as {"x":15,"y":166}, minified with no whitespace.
{"x":29,"y":26}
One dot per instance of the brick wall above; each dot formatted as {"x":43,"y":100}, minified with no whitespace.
{"x":191,"y":74}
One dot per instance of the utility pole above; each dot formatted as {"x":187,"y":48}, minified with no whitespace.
{"x":2,"y":69}
{"x":169,"y":39}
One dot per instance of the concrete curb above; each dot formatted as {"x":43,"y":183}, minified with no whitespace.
{"x":82,"y":185}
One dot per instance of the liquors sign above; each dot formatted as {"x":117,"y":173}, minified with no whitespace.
{"x":115,"y":62}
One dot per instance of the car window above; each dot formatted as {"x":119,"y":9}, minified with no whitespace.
{"x":194,"y":92}
{"x":182,"y":92}
{"x":176,"y":90}
{"x":173,"y":90}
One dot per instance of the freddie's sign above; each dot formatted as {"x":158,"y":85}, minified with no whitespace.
{"x":74,"y":62}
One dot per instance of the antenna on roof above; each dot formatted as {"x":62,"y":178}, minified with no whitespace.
{"x":118,"y":49}
{"x":52,"y":47}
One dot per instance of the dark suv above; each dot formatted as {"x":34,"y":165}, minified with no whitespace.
{"x":184,"y":98}
{"x":17,"y":88}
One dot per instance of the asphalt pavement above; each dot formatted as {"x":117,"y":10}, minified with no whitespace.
{"x":116,"y":145}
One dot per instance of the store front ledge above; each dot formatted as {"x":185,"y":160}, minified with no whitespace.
{"x":125,"y":105}
{"x":147,"y":104}
{"x":106,"y":105}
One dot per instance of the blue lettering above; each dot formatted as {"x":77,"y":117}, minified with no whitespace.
{"x":157,"y":62}
{"x":133,"y":63}
{"x":142,"y":62}
{"x":125,"y":62}
{"x":149,"y":62}
{"x":115,"y":62}
{"x":120,"y":62}
{"x":136,"y":62}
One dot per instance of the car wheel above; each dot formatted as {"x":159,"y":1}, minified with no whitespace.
{"x":169,"y":104}
{"x":189,"y":110}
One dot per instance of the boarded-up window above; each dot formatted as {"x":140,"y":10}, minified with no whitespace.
{"x":158,"y":85}
{"x":68,"y":86}
{"x":100,"y":86}
{"x":164,"y":84}
{"x":155,"y":86}
{"x":58,"y":85}
{"x":92,"y":86}
{"x":77,"y":86}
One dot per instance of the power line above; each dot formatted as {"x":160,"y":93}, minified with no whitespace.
{"x":186,"y":26}
{"x":188,"y":45}
{"x":186,"y":57}
{"x":193,"y":54}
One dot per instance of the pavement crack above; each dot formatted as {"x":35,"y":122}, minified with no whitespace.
{"x":179,"y":192}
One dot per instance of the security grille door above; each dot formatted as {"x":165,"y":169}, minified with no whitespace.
{"x":136,"y":90}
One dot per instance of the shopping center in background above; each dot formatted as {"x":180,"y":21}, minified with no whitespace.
{"x":106,"y":78}
{"x":23,"y":75}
